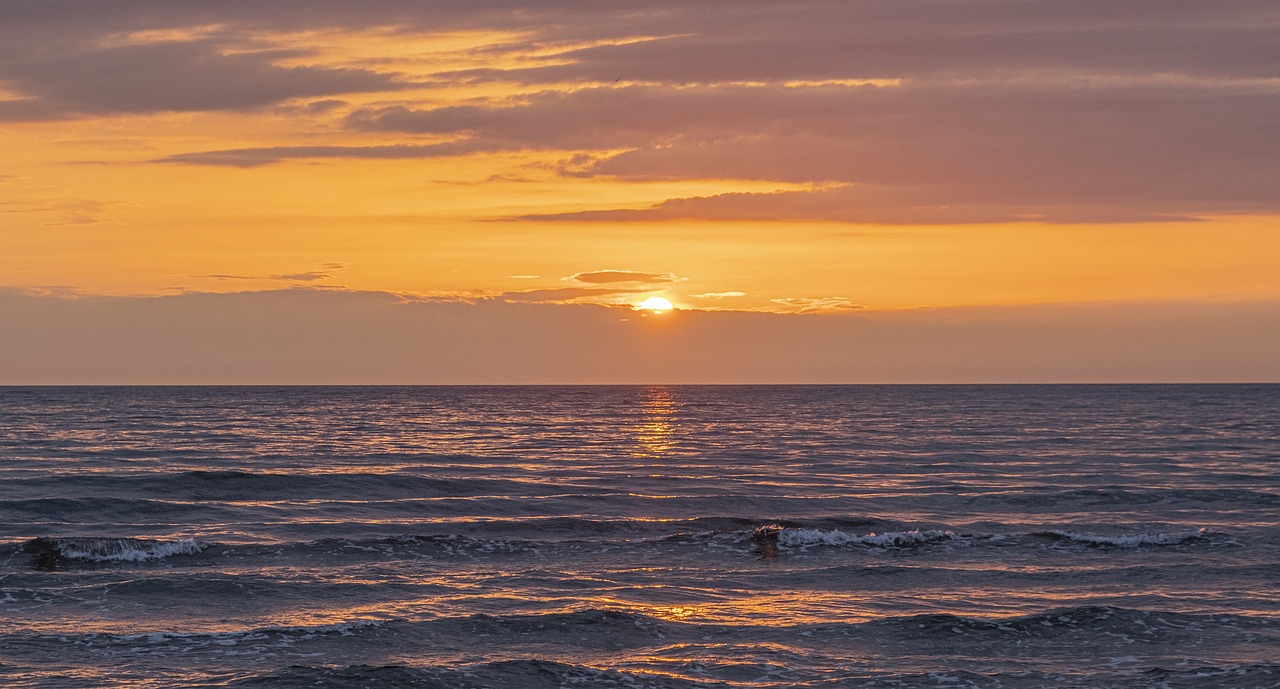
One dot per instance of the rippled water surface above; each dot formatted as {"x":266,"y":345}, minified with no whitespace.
{"x":915,"y":536}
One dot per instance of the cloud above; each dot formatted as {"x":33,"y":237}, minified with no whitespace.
{"x":254,"y":157}
{"x":308,"y":336}
{"x":560,"y":296}
{"x":66,"y":211}
{"x":756,"y":41}
{"x":310,"y":276}
{"x":600,"y":277}
{"x":174,"y":76}
{"x":917,"y":111}
{"x":327,"y":271}
{"x":51,"y":206}
{"x":878,"y":204}
{"x":719,"y":295}
{"x":818,"y":304}
{"x":921,"y":152}
{"x":1006,"y":148}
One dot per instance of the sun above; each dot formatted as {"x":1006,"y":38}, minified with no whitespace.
{"x":655,"y":304}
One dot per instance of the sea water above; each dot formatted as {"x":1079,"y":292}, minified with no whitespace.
{"x":662,"y":536}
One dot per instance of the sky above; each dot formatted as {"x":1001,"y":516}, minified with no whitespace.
{"x":827,"y":191}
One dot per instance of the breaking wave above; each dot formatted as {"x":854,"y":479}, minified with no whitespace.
{"x":525,"y":673}
{"x":1128,"y":540}
{"x":54,"y":550}
{"x":806,"y":538}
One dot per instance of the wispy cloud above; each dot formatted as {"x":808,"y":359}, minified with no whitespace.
{"x":55,"y":207}
{"x":562,"y":295}
{"x":601,"y":277}
{"x":327,"y":270}
{"x":818,"y":304}
{"x":254,"y":157}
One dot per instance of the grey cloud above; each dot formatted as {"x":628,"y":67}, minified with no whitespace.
{"x":1069,"y":111}
{"x":169,"y":76}
{"x":921,"y":152}
{"x":748,"y":39}
{"x":1104,"y":150}
{"x":1108,"y":150}
{"x":841,"y":40}
{"x":254,"y":157}
{"x":42,"y":44}
{"x":865,"y":204}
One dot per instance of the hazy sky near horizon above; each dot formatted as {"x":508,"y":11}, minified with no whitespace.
{"x":818,"y":181}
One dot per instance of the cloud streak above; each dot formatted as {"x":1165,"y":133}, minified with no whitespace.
{"x":601,"y":277}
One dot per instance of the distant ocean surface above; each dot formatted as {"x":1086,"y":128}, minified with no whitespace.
{"x":546,"y":537}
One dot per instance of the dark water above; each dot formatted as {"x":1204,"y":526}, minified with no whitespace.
{"x":1031,"y":536}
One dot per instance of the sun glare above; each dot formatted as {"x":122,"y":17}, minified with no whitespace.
{"x":655,"y":304}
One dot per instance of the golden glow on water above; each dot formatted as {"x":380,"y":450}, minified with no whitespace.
{"x":654,"y":434}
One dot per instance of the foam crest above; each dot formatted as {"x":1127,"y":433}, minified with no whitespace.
{"x":805,"y":538}
{"x":111,"y":549}
{"x":1129,"y":540}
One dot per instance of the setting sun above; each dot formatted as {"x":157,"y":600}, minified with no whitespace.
{"x":655,"y":304}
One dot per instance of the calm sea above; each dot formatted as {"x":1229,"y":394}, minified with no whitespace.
{"x":539,"y":537}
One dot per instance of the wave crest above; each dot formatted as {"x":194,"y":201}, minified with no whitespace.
{"x":51,"y":552}
{"x":1127,"y":540}
{"x":806,"y":538}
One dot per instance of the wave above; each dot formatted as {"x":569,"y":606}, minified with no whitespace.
{"x":612,"y":631}
{"x":592,"y":628}
{"x":53,"y":552}
{"x":1126,"y":624}
{"x":526,"y":673}
{"x":806,"y":538}
{"x":99,"y":509}
{"x":232,"y":485}
{"x":1129,"y":540}
{"x":547,"y":674}
{"x":571,"y":536}
{"x":285,"y":635}
{"x":1123,"y":495}
{"x":614,"y":628}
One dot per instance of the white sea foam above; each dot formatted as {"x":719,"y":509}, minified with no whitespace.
{"x":1132,"y":540}
{"x":803,"y":538}
{"x":126,"y":549}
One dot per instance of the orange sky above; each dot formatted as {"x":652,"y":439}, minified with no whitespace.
{"x":744,"y":157}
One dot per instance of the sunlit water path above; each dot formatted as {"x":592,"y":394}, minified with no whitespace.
{"x":915,"y":536}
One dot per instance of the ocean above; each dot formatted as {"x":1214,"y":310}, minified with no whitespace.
{"x":641,"y":536}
